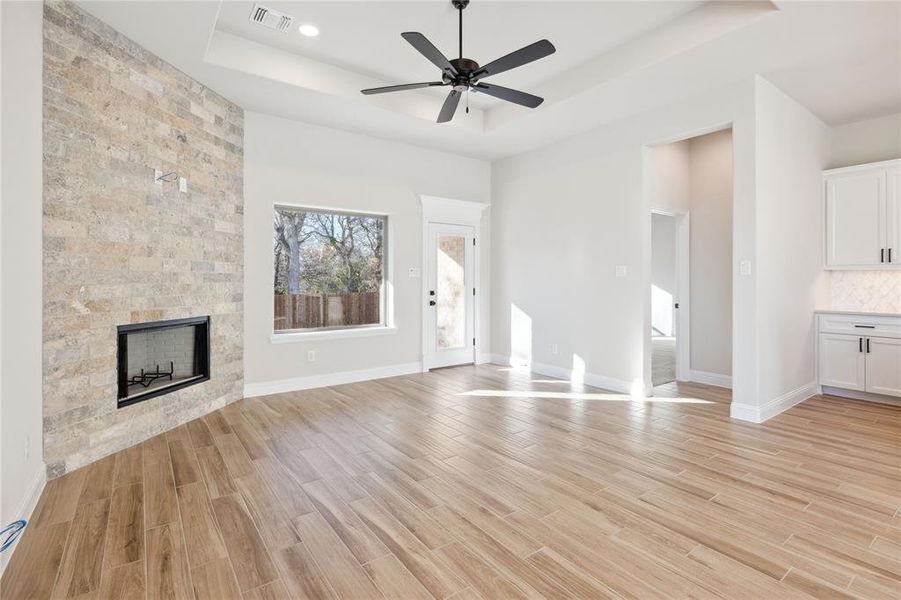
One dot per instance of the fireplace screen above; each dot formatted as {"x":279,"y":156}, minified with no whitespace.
{"x":161,"y":357}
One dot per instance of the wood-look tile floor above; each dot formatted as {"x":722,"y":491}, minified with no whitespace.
{"x":480,"y":482}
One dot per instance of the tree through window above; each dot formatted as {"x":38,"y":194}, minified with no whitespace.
{"x":329,"y":269}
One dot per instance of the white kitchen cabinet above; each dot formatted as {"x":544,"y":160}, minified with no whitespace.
{"x":862,"y":216}
{"x":883,"y":368}
{"x":859,"y":354}
{"x":842,"y":361}
{"x":893,"y":215}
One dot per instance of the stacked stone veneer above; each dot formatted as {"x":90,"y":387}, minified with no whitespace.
{"x":119,"y":248}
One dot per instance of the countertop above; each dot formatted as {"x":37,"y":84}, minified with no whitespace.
{"x":859,"y":313}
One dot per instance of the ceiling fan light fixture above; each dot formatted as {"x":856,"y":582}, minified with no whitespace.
{"x":308,"y":30}
{"x":464,"y":74}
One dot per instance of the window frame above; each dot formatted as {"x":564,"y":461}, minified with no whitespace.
{"x":386,"y":323}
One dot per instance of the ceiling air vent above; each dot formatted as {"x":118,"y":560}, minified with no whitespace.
{"x":270,"y":18}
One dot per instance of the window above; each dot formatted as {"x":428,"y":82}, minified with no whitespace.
{"x":329,"y":269}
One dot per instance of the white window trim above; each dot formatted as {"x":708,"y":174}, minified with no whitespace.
{"x":386,"y":328}
{"x":332,"y":334}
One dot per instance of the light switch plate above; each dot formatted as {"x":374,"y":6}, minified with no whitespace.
{"x":621,"y":270}
{"x":744,"y":267}
{"x":183,"y":185}
{"x":156,"y":177}
{"x":414,"y":272}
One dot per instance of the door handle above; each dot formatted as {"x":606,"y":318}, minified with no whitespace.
{"x":882,"y":255}
{"x":868,"y":345}
{"x":860,"y":344}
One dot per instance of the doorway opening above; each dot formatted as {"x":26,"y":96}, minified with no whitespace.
{"x":690,"y":329}
{"x":451,"y":234}
{"x":669,"y":295}
{"x":451,"y":314}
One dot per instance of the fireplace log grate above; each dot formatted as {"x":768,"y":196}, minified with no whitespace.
{"x":147,"y":379}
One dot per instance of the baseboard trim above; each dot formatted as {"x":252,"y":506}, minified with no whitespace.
{"x":484,"y":358}
{"x":24,"y":510}
{"x":265,"y":388}
{"x":866,"y":396}
{"x":705,"y":377}
{"x":759,"y":414}
{"x":599,"y":381}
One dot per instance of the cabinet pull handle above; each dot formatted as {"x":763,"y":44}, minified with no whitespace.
{"x":889,"y":255}
{"x":860,"y":344}
{"x":882,"y":255}
{"x":868,"y":345}
{"x":866,"y":326}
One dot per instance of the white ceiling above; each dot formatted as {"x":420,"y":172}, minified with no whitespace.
{"x":364,"y":37}
{"x":840,"y":59}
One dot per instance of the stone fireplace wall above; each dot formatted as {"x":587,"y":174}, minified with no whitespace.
{"x":119,"y":248}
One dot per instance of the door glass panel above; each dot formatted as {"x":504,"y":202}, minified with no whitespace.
{"x":450,"y":271}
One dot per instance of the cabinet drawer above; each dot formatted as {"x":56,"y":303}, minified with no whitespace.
{"x":865,"y":326}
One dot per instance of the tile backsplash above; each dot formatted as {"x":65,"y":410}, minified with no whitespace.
{"x":866,"y":290}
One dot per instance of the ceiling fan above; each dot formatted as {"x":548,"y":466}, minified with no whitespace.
{"x":465,"y":74}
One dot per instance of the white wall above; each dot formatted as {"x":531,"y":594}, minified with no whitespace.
{"x":792,"y":149}
{"x":866,"y":141}
{"x":668,"y":176}
{"x":663,"y":273}
{"x":564,"y":216}
{"x":21,"y":465}
{"x":288,"y":162}
{"x":710,"y":185}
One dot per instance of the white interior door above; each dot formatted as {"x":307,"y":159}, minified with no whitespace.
{"x":450,"y":338}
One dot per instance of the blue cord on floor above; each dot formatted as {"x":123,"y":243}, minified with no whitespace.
{"x":11,"y":532}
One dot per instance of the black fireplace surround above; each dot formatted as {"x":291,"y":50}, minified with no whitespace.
{"x":166,"y":356}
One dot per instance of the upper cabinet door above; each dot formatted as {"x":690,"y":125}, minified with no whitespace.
{"x":855,"y":219}
{"x":893,"y":217}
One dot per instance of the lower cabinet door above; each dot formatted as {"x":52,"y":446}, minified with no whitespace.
{"x":842,"y":361}
{"x":884,"y":366}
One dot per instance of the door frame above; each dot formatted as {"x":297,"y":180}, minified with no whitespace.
{"x":448,"y":211}
{"x":682,"y":321}
{"x":433,"y":356}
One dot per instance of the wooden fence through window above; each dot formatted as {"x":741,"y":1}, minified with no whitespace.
{"x":307,"y":311}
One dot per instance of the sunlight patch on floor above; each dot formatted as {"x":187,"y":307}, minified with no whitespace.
{"x":580,"y":396}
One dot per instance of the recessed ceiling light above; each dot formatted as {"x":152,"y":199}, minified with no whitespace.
{"x":308,"y":30}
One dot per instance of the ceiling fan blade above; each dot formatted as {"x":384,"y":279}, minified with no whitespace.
{"x":520,"y":57}
{"x":427,"y":49}
{"x":401,"y":88}
{"x":509,"y":95}
{"x":450,"y":107}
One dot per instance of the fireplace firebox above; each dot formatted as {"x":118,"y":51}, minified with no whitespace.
{"x":162,"y":357}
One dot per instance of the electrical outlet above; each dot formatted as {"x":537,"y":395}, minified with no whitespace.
{"x":311,"y":356}
{"x":744,"y":268}
{"x":414,"y":273}
{"x":182,"y":185}
{"x":621,"y":270}
{"x":554,"y":349}
{"x":27,"y":447}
